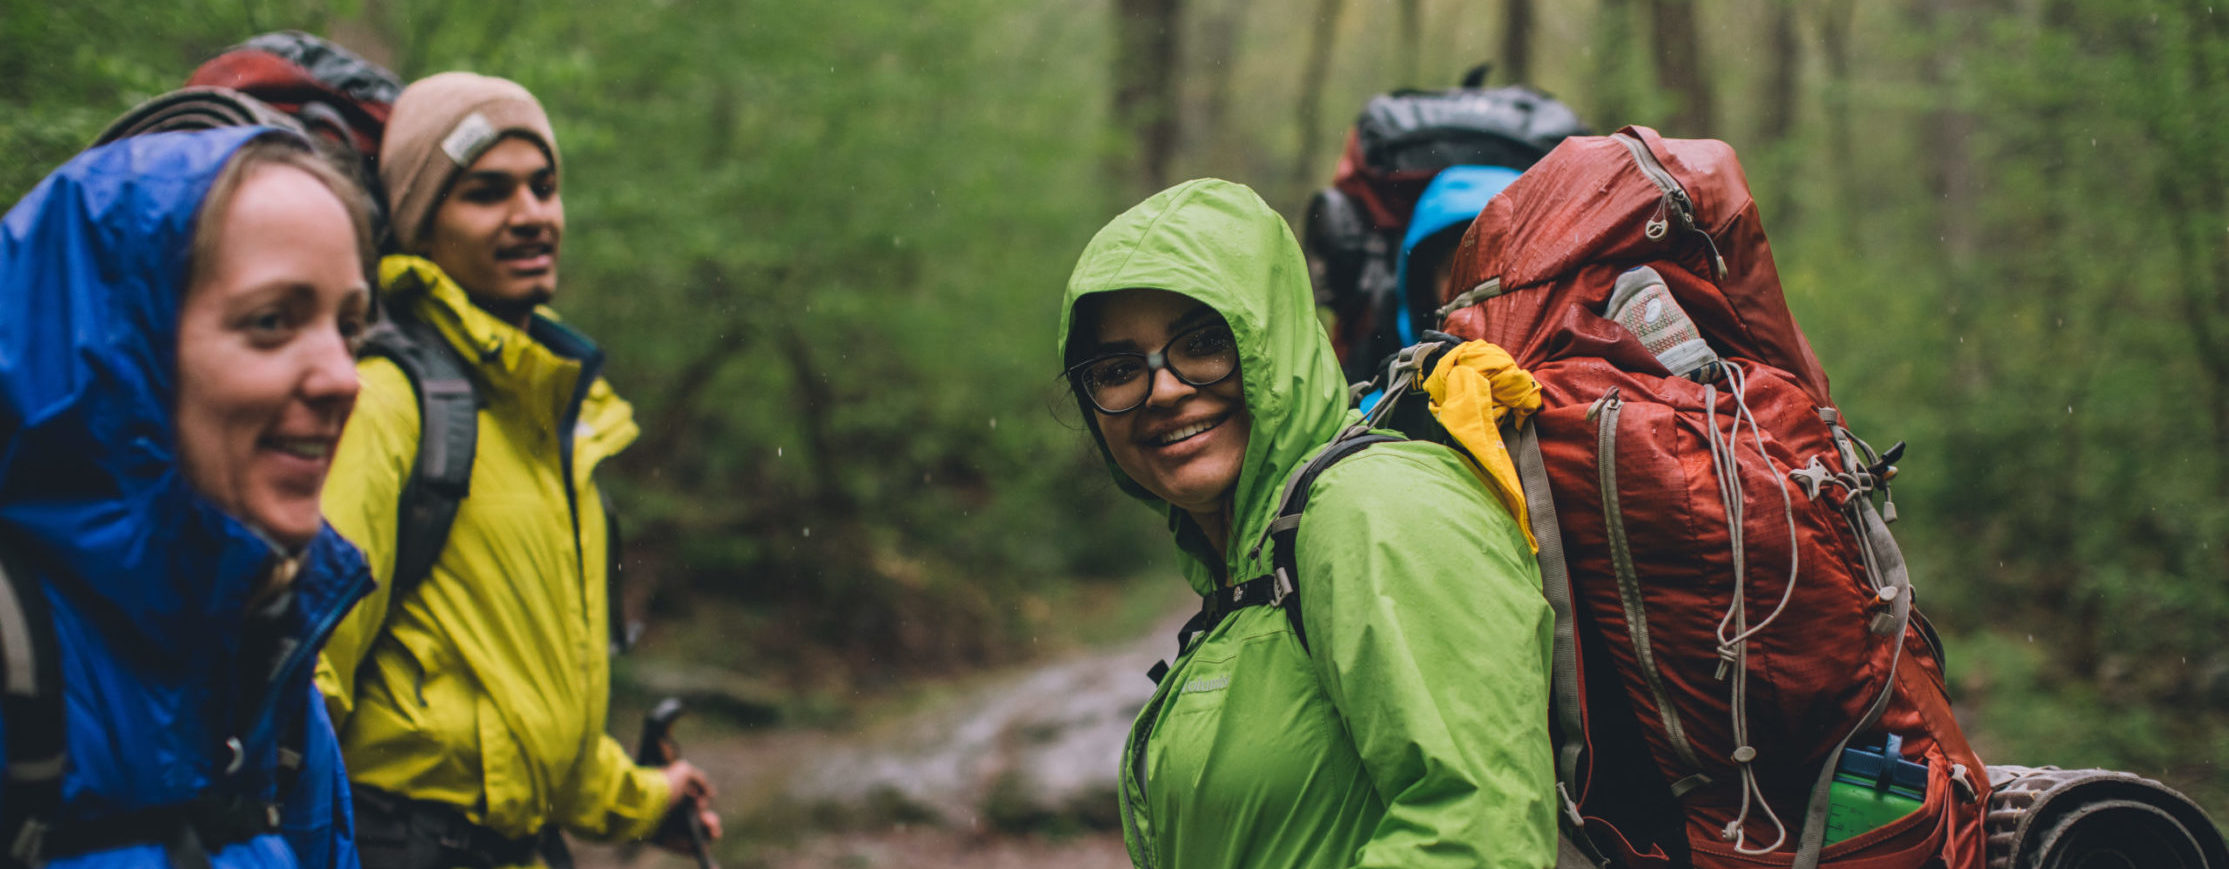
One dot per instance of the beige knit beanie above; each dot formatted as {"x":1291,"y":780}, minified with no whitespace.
{"x":441,"y":124}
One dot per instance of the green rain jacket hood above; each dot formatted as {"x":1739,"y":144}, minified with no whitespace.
{"x":1411,"y":730}
{"x":1220,"y":244}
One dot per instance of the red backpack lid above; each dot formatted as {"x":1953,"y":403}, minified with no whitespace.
{"x":1560,"y":234}
{"x":334,"y":92}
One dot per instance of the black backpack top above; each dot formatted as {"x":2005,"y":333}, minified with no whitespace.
{"x":1399,"y":142}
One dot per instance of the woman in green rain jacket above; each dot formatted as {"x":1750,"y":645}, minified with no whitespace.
{"x":1410,"y":729}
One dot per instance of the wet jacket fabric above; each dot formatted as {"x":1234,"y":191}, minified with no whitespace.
{"x":149,"y":583}
{"x":1449,"y":203}
{"x":486,"y":689}
{"x":1412,"y":731}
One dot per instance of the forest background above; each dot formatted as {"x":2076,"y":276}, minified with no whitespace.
{"x":824,"y":243}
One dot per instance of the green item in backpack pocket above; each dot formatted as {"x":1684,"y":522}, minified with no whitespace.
{"x":1873,"y":786}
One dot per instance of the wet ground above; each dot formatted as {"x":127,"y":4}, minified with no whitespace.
{"x":1009,"y":769}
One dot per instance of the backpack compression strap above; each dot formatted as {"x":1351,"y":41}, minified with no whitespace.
{"x":31,"y":704}
{"x":449,"y":429}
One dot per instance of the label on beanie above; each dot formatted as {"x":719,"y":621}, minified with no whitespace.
{"x":472,"y":135}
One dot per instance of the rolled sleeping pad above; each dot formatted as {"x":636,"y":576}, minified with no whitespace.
{"x":210,"y":107}
{"x":197,"y":108}
{"x":2051,"y":818}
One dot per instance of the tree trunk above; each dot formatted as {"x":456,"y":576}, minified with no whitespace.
{"x":1778,"y":116}
{"x":1219,"y":36}
{"x":1679,"y":69}
{"x":364,"y":32}
{"x":2196,"y":193}
{"x":1516,"y":42}
{"x":1309,"y":113}
{"x":1948,"y":133}
{"x":1613,"y":65}
{"x":1834,"y":49}
{"x":1409,"y":53}
{"x":1145,"y":91}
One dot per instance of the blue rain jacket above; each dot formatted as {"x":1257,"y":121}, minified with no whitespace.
{"x":1452,"y":200}
{"x":147,"y":580}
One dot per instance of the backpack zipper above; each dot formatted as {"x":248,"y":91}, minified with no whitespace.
{"x":1677,"y":206}
{"x":1605,"y":413}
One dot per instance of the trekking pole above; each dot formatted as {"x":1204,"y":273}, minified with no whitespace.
{"x":659,"y":749}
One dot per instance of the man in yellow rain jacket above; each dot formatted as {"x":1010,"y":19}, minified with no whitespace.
{"x":472,"y":708}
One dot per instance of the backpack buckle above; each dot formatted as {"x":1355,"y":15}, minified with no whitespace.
{"x":30,"y":843}
{"x":1280,"y":587}
{"x":1411,"y":358}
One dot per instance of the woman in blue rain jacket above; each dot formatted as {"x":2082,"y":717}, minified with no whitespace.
{"x":176,"y":318}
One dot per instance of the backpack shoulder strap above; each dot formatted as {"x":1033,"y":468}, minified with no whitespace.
{"x":1279,"y":588}
{"x":448,"y":430}
{"x":1284,"y":529}
{"x":1567,"y":714}
{"x":623,"y":630}
{"x":31,"y":703}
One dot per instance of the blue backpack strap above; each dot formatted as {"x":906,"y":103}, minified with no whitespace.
{"x":31,"y":704}
{"x":448,"y":432}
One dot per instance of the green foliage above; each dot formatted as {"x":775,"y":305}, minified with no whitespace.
{"x":829,"y":285}
{"x":73,"y":67}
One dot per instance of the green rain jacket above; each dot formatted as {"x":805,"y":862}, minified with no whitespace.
{"x":1413,"y":731}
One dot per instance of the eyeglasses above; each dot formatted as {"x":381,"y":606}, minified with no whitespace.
{"x":1121,"y":382}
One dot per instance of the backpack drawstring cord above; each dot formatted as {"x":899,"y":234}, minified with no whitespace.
{"x":1733,"y":649}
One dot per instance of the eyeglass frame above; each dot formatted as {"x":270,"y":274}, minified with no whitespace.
{"x":1154,"y":363}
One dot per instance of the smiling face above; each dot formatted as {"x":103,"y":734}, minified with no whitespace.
{"x":497,"y":230}
{"x":266,"y":372}
{"x":1187,"y":443}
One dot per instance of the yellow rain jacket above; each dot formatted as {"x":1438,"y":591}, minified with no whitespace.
{"x":486,"y":689}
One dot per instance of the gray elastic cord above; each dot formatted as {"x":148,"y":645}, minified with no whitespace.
{"x":1734,"y":629}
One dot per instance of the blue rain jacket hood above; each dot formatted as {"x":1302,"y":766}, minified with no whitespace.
{"x":1453,"y":199}
{"x":148,"y":581}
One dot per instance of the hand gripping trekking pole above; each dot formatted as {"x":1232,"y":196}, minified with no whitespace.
{"x":659,"y":749}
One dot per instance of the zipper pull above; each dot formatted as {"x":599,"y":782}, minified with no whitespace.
{"x":1718,"y":263}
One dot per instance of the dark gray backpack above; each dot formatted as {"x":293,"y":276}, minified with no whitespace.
{"x":441,"y":474}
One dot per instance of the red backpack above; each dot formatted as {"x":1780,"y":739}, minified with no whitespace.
{"x":1736,"y":629}
{"x":286,"y":79}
